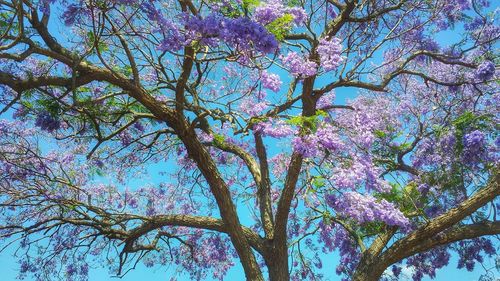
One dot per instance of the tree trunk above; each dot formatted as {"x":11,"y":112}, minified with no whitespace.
{"x":278,"y":267}
{"x":218,"y":187}
{"x":371,"y":272}
{"x":365,"y":276}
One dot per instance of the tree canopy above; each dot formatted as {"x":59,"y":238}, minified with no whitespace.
{"x":273,"y":134}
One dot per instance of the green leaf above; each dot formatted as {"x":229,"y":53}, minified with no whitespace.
{"x":52,"y":107}
{"x":280,"y":26}
{"x":219,"y":139}
{"x":250,"y":4}
{"x":380,"y":134}
{"x":318,"y":182}
{"x":101,"y":46}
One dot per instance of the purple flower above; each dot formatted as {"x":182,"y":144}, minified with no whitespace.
{"x":307,"y":145}
{"x":246,"y":34}
{"x":326,"y":100}
{"x":396,"y":270}
{"x":485,"y":70}
{"x":125,"y":138}
{"x":240,"y":33}
{"x":299,"y":15}
{"x":47,"y":122}
{"x":267,"y":13}
{"x":139,"y":127}
{"x":298,"y":65}
{"x":271,"y":11}
{"x":474,"y":147}
{"x":271,"y":81}
{"x":329,"y":52}
{"x":71,"y":270}
{"x":275,"y":129}
{"x":72,"y":13}
{"x":474,"y":139}
{"x":328,"y":138}
{"x":365,"y":208}
{"x":251,"y":107}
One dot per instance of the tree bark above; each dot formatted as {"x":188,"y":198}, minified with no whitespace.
{"x":368,"y":274}
{"x":277,"y":264}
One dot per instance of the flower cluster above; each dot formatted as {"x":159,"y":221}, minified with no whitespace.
{"x":329,"y":52}
{"x":299,"y":65}
{"x":485,"y":70}
{"x":270,"y":81}
{"x":251,"y":107}
{"x":438,"y":257}
{"x":471,"y":251}
{"x":474,"y":147}
{"x":240,"y":33}
{"x":47,"y":122}
{"x":270,"y":11}
{"x":273,"y":128}
{"x":361,"y":172}
{"x":306,"y":145}
{"x":326,"y":100}
{"x":365,"y":208}
{"x":325,"y":137}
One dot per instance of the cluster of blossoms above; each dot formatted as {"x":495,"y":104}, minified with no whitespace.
{"x":274,"y":128}
{"x":426,"y":153}
{"x":470,"y":252}
{"x":365,"y":208}
{"x":455,"y":10}
{"x":47,"y":122}
{"x":241,"y":33}
{"x":211,"y":254}
{"x":329,"y":53}
{"x":252,"y":108}
{"x":326,"y":100}
{"x":125,"y":138}
{"x":362,"y":171}
{"x":371,"y":116}
{"x":330,"y":58}
{"x":270,"y":81}
{"x":349,"y":253}
{"x":306,"y":145}
{"x":439,"y":258}
{"x":298,"y":65}
{"x":270,"y":11}
{"x":474,"y":147}
{"x":485,"y":71}
{"x":324,"y":137}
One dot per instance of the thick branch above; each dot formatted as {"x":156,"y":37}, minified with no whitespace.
{"x":461,"y":233}
{"x":308,"y":109}
{"x":208,"y":223}
{"x":264,"y":188}
{"x":399,"y":250}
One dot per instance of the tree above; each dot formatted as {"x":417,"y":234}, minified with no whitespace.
{"x":234,"y":104}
